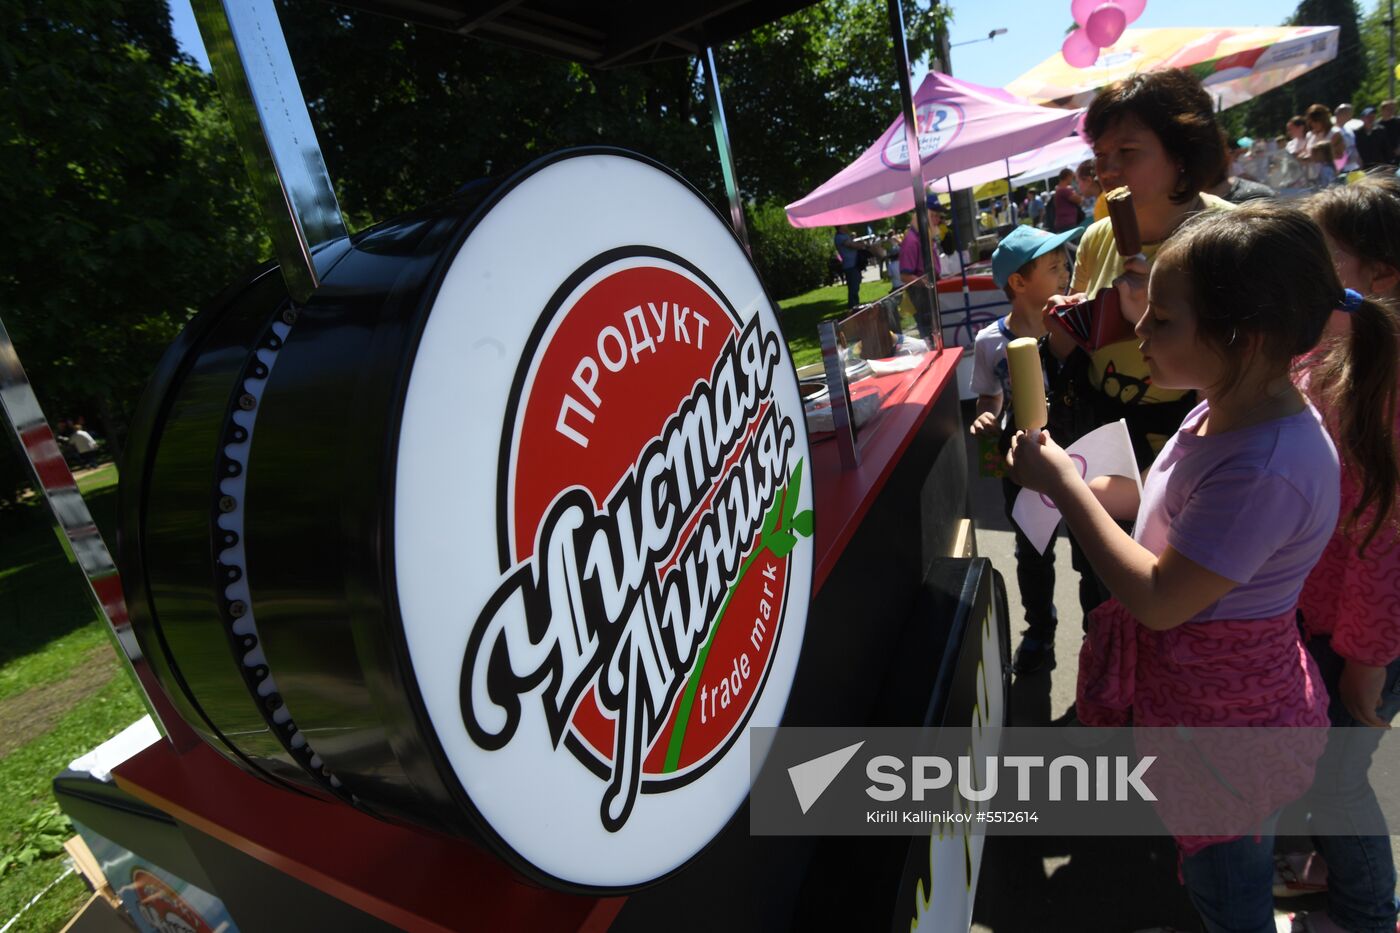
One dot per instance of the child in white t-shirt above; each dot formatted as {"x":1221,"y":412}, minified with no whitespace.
{"x":1029,"y":266}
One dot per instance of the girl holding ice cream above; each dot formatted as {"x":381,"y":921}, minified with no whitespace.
{"x":1234,"y":513}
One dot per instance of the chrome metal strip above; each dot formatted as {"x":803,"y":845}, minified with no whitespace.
{"x":916,"y":168}
{"x":726,"y":154}
{"x":843,"y":417}
{"x":273,"y":126}
{"x":55,"y":481}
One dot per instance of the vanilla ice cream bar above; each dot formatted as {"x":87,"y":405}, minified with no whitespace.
{"x":1027,"y":383}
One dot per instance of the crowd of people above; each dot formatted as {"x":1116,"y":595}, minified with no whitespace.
{"x":1254,"y":581}
{"x":1316,"y":149}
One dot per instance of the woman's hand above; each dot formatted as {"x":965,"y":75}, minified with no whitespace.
{"x":1061,"y":343}
{"x":1132,"y":288}
{"x":1360,"y":692}
{"x":1059,"y":301}
{"x":1039,"y":464}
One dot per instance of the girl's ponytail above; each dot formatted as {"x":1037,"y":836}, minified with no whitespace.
{"x":1355,"y":378}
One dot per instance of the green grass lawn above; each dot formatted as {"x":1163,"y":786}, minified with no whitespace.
{"x":62,"y":690}
{"x":802,"y":314}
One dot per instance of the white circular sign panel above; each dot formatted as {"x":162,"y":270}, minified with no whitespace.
{"x":602,"y":520}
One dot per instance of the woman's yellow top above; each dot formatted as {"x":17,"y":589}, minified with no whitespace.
{"x":1118,"y":369}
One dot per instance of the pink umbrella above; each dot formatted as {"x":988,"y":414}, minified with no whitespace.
{"x":1024,"y":167}
{"x":961,"y":126}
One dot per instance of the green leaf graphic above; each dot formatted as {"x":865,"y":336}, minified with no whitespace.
{"x":770,"y":521}
{"x":794,"y":487}
{"x":779,"y":540}
{"x":781,"y":544}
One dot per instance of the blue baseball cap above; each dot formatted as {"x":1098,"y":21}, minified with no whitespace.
{"x":1022,"y":245}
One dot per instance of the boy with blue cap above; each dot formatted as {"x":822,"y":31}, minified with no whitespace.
{"x":1030,"y":266}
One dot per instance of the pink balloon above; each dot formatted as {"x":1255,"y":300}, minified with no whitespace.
{"x":1080,"y":9}
{"x":1078,"y":50}
{"x":1132,"y":9}
{"x":1105,"y":25}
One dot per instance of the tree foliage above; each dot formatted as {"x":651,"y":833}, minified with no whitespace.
{"x":808,"y":93}
{"x":790,"y":260}
{"x":1330,"y":84}
{"x":127,"y":204}
{"x":407,"y":114}
{"x":125,"y":200}
{"x":1380,"y":82}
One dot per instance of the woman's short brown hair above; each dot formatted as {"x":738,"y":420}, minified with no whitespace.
{"x":1321,"y":114}
{"x":1174,"y":106}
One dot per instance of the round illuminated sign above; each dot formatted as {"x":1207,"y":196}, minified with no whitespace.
{"x":505,"y":532}
{"x":602,"y":518}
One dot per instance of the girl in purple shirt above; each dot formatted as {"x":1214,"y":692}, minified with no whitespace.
{"x":1233,"y":514}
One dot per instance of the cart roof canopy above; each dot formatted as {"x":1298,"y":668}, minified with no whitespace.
{"x":601,"y":35}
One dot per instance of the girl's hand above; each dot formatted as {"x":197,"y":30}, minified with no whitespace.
{"x":1132,"y":288}
{"x":1040,"y":464}
{"x":1360,"y":692}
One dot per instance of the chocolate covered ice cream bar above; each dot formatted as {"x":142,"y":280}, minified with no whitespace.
{"x":1125,"y":225}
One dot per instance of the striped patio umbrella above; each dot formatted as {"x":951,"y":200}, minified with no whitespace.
{"x":1235,"y":64}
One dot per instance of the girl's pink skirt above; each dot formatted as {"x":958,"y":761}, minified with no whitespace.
{"x":1234,"y":710}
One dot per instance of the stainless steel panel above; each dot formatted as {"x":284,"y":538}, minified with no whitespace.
{"x":916,"y":168}
{"x":21,"y":411}
{"x":726,"y":154}
{"x":260,"y":89}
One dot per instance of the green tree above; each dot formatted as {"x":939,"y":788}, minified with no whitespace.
{"x":1330,"y":84}
{"x":790,"y":260}
{"x":125,"y":199}
{"x":407,"y":114}
{"x":1375,"y":38}
{"x":808,"y":93}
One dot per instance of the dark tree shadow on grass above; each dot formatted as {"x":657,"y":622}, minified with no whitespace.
{"x":43,"y":596}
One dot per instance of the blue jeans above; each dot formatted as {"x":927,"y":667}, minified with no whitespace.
{"x":1231,"y":884}
{"x":852,"y":286}
{"x":1360,"y":869}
